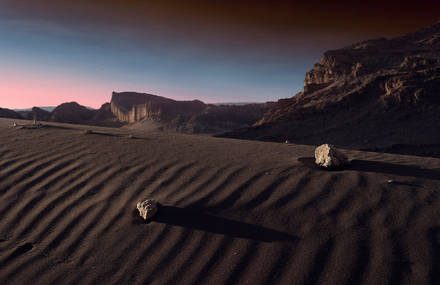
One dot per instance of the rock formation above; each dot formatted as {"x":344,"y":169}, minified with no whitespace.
{"x":131,"y":107}
{"x":68,"y":113}
{"x":375,"y":93}
{"x":72,"y":113}
{"x":77,"y":114}
{"x":184,"y":116}
{"x":327,"y":156}
{"x":6,"y":113}
{"x":104,"y":117}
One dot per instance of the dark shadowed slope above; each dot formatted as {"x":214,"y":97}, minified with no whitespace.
{"x":373,"y":94}
{"x":71,"y":112}
{"x":6,"y":113}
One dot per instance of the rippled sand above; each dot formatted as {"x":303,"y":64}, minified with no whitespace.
{"x":233,"y":212}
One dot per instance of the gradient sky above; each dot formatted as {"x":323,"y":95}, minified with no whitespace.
{"x":55,"y":51}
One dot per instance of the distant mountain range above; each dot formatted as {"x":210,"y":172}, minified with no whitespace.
{"x":66,"y":113}
{"x":48,"y":109}
{"x":131,"y":108}
{"x":235,"y":103}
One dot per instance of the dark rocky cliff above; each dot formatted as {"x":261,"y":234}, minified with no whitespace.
{"x":130,"y":107}
{"x":372,"y":94}
{"x":184,"y":116}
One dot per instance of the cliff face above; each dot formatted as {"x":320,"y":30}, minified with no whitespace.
{"x":183,"y":116}
{"x":373,"y":93}
{"x":104,"y":117}
{"x":131,"y":107}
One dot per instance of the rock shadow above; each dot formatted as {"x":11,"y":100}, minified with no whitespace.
{"x":310,"y":163}
{"x":194,"y":218}
{"x":380,"y":167}
{"x":392,"y":168}
{"x":433,"y":235}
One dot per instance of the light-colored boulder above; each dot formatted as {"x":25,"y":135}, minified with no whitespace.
{"x":328,"y":156}
{"x":147,"y":208}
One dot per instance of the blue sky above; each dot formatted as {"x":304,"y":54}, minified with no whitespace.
{"x":53,"y":53}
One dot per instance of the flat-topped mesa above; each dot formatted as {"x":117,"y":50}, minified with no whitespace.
{"x":131,"y":107}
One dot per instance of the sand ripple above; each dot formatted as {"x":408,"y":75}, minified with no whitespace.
{"x":233,"y":212}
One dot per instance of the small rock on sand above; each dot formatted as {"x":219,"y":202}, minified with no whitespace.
{"x":147,"y":208}
{"x":328,"y":156}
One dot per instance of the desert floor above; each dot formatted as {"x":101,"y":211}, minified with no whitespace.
{"x":233,"y":212}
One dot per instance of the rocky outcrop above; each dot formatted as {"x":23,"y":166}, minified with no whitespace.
{"x":149,"y":112}
{"x":131,"y":107}
{"x":327,"y":156}
{"x":104,"y":117}
{"x":77,"y":114}
{"x":72,"y":113}
{"x":374,"y":93}
{"x":6,"y":113}
{"x":68,"y":113}
{"x":184,"y":116}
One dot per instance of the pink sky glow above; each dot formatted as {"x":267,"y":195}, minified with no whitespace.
{"x":19,"y":89}
{"x":25,"y":89}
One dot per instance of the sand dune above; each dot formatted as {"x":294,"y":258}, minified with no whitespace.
{"x":233,"y":212}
